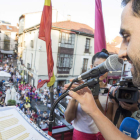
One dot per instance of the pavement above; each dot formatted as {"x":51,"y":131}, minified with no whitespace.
{"x":40,"y":106}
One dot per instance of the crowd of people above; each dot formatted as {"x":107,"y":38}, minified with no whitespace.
{"x":24,"y":94}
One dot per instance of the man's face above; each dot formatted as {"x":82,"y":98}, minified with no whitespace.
{"x":130,"y":48}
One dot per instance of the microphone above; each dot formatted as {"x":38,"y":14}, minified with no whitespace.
{"x":130,"y":127}
{"x":112,"y":63}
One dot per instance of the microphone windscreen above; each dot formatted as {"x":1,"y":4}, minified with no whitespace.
{"x":113,"y":63}
{"x":130,"y":127}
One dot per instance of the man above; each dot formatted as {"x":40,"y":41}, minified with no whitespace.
{"x":43,"y":125}
{"x":27,"y":106}
{"x":130,"y":49}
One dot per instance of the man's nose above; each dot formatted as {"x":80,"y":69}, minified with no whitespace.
{"x":123,"y":51}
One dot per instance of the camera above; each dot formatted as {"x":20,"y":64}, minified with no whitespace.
{"x":127,"y":92}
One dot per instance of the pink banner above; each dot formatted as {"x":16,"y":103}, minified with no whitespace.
{"x":99,"y":36}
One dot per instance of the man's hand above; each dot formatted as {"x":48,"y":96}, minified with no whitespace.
{"x":86,"y":99}
{"x":130,"y":107}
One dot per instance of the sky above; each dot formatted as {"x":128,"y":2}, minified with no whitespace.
{"x":82,"y":11}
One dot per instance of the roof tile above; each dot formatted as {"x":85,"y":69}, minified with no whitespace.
{"x":70,"y":25}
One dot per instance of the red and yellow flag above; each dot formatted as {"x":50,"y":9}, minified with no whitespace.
{"x":45,"y":34}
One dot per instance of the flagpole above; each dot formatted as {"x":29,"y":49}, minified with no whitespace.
{"x":52,"y":98}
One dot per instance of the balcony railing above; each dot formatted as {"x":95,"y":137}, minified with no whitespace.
{"x":28,"y":66}
{"x":63,"y":70}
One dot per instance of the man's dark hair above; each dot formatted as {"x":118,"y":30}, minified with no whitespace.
{"x":135,"y":5}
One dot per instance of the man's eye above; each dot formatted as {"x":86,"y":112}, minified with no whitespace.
{"x":126,"y":37}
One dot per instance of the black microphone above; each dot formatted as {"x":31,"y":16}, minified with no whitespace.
{"x":112,"y":63}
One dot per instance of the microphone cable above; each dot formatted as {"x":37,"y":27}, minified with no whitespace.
{"x":93,"y":81}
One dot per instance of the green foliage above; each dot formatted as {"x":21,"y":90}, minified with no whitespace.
{"x":11,"y":102}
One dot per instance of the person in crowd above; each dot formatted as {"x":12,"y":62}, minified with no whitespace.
{"x":32,"y":118}
{"x":42,"y":96}
{"x":21,"y":97}
{"x":125,"y":109}
{"x":12,"y":70}
{"x":39,"y":115}
{"x":35,"y":122}
{"x":34,"y":89}
{"x":19,"y":87}
{"x":45,"y":92}
{"x":36,"y":97}
{"x":32,"y":112}
{"x":45,"y":101}
{"x":43,"y":125}
{"x":45,"y":115}
{"x":2,"y":102}
{"x":35,"y":115}
{"x":23,"y":91}
{"x":83,"y":124}
{"x":27,"y":98}
{"x":30,"y":95}
{"x":17,"y":97}
{"x":60,"y":93}
{"x":8,"y":95}
{"x":27,"y":106}
{"x":21,"y":105}
{"x":58,"y":89}
{"x":19,"y":77}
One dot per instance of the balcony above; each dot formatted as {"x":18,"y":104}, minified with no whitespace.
{"x":28,"y":66}
{"x":21,"y":62}
{"x":6,"y":45}
{"x":63,"y":70}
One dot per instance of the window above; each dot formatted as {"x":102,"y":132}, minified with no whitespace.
{"x":31,"y":60}
{"x":87,"y":46}
{"x":32,"y":43}
{"x":7,"y":36}
{"x":66,"y":40}
{"x":7,"y":27}
{"x":65,"y":60}
{"x":85,"y":63}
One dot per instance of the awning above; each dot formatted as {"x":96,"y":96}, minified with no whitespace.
{"x":7,"y":52}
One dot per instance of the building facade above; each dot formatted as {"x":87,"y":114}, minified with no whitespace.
{"x":72,"y":48}
{"x":8,"y":39}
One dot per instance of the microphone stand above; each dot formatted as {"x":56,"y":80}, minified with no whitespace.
{"x":91,"y":83}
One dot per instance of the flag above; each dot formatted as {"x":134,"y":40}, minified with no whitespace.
{"x":45,"y":34}
{"x":99,"y":35}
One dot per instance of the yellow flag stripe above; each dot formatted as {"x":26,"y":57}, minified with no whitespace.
{"x":52,"y":81}
{"x":47,"y":2}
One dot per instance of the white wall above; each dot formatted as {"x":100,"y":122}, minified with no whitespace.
{"x":39,"y":64}
{"x":79,"y":55}
{"x":57,"y":16}
{"x":32,"y":19}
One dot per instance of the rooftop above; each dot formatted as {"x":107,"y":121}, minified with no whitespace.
{"x":113,"y":46}
{"x":8,"y":28}
{"x":74,"y":26}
